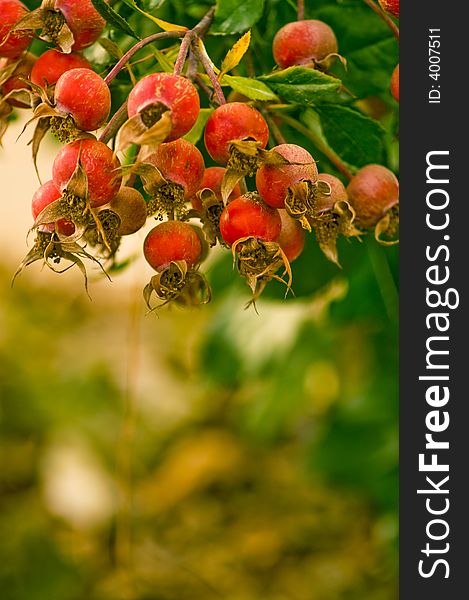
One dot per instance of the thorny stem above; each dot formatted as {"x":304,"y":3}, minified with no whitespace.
{"x":199,"y":30}
{"x":114,"y":124}
{"x":301,"y":9}
{"x":318,"y":142}
{"x":138,"y":46}
{"x":386,"y":18}
{"x":208,"y":68}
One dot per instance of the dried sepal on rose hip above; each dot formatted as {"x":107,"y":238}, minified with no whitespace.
{"x":56,"y":239}
{"x":333,"y":215}
{"x":171,"y":175}
{"x":307,"y":42}
{"x":162,"y":107}
{"x":252,"y":229}
{"x":68,"y":24}
{"x":174,"y":249}
{"x":12,"y":43}
{"x":374,"y":195}
{"x":14,"y":90}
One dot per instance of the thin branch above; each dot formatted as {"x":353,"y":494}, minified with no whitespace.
{"x":208,"y":68}
{"x":386,"y":18}
{"x":138,"y":46}
{"x":301,"y":9}
{"x":319,"y":143}
{"x":114,"y":124}
{"x":274,"y":128}
{"x":199,"y":30}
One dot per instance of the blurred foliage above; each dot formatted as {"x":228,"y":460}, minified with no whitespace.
{"x":216,"y":453}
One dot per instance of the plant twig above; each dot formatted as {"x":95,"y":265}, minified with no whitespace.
{"x":301,"y":9}
{"x":320,"y":145}
{"x":138,"y":46}
{"x":386,"y":18}
{"x":274,"y":128}
{"x":199,"y":30}
{"x":114,"y":124}
{"x":208,"y":68}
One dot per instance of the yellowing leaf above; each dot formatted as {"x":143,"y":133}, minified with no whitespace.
{"x":204,"y":53}
{"x":235,"y":54}
{"x":162,"y":24}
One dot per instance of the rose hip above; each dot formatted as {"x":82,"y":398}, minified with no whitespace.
{"x":372,"y":191}
{"x":302,"y":42}
{"x":130,"y":206}
{"x":12,"y":44}
{"x":99,"y":164}
{"x":52,"y":64}
{"x":338,"y":193}
{"x":22,"y":71}
{"x":159,"y":92}
{"x":44,"y":196}
{"x":292,"y":236}
{"x":249,"y":216}
{"x":213,"y":176}
{"x":273,"y":181}
{"x":85,"y":95}
{"x":172,"y":241}
{"x":83,"y":19}
{"x":180,"y":162}
{"x":395,"y":83}
{"x":234,"y":121}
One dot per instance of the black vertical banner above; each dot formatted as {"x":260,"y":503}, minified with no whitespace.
{"x":434,"y":175}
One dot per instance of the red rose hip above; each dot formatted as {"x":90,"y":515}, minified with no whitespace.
{"x":180,"y":162}
{"x":172,"y":241}
{"x":372,"y":191}
{"x":302,"y":42}
{"x":395,"y":83}
{"x":249,"y":216}
{"x":234,"y":121}
{"x":390,"y":6}
{"x":99,"y":164}
{"x":12,"y":44}
{"x":159,"y":92}
{"x":52,"y":64}
{"x":273,"y":181}
{"x":338,"y":193}
{"x":84,"y":21}
{"x":83,"y":94}
{"x":44,"y":196}
{"x":292,"y":236}
{"x":213,"y":177}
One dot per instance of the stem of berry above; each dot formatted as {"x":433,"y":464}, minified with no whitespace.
{"x":208,"y":68}
{"x":114,"y":124}
{"x":386,"y":18}
{"x":199,"y":30}
{"x":301,"y":10}
{"x":320,"y":145}
{"x":138,"y":46}
{"x":274,"y":128}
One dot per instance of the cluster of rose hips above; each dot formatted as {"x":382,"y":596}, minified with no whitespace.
{"x":91,"y":200}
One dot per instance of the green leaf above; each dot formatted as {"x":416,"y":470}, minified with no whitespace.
{"x":252,"y":88}
{"x":197,"y":130}
{"x":235,"y":16}
{"x":113,"y":18}
{"x":356,"y":138}
{"x":165,"y":25}
{"x":165,"y":64}
{"x":302,"y":85}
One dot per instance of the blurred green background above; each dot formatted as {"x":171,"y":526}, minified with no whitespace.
{"x":212,"y":453}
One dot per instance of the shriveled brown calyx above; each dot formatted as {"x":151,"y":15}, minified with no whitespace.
{"x":387,"y":228}
{"x":302,"y":200}
{"x":167,"y":197}
{"x":52,"y":250}
{"x":209,"y":215}
{"x":258,"y":262}
{"x":150,"y":127}
{"x":51,"y":23}
{"x":105,"y":238}
{"x":179,"y":284}
{"x":246,"y":156}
